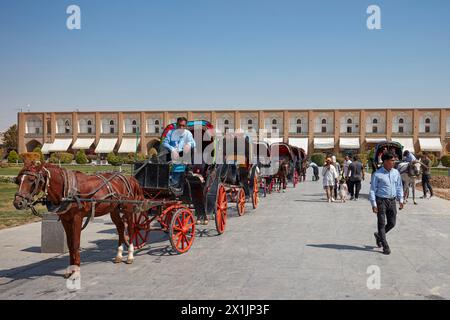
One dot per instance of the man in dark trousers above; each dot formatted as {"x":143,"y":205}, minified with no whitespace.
{"x":386,"y":187}
{"x":426,"y":176}
{"x":355,"y":174}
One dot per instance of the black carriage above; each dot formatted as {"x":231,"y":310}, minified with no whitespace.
{"x":178,"y":208}
{"x":236,"y":172}
{"x":261,"y":155}
{"x":387,"y":146}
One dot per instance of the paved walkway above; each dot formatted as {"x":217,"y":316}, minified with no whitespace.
{"x":295,"y":246}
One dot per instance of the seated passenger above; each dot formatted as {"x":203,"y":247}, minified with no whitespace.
{"x":408,"y":156}
{"x":176,"y":141}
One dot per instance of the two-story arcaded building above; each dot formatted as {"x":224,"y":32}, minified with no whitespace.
{"x":338,"y":131}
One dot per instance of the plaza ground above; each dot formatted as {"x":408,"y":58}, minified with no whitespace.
{"x":294,"y":246}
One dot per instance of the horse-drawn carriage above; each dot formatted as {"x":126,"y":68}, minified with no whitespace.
{"x":283,"y":158}
{"x":235,"y":172}
{"x":383,"y":147}
{"x":174,"y":208}
{"x":261,"y":154}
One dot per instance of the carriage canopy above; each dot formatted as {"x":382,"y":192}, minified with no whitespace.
{"x":391,"y":146}
{"x":283,"y":150}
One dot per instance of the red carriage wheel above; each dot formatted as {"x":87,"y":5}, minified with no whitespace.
{"x":182,"y":230}
{"x":240,"y":203}
{"x":255,"y":194}
{"x":221,"y":209}
{"x":141,"y":229}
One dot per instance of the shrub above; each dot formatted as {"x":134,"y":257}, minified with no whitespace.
{"x":434,"y":160}
{"x":13,"y":157}
{"x":41,"y":155}
{"x":114,"y":159}
{"x":318,"y":158}
{"x":81,"y":157}
{"x":446,"y":161}
{"x":31,"y":156}
{"x":61,"y":157}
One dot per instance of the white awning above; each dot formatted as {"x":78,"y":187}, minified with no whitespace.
{"x":60,"y":145}
{"x":299,"y":143}
{"x":323,"y":143}
{"x":407,"y":143}
{"x":273,"y":140}
{"x":106,"y":145}
{"x":375,"y":140}
{"x":430,"y":144}
{"x":46,"y":148}
{"x":128,"y":145}
{"x":349,"y":143}
{"x":83,"y":144}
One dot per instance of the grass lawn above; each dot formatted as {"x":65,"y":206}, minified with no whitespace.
{"x":9,"y":216}
{"x":439,"y":172}
{"x":14,"y":171}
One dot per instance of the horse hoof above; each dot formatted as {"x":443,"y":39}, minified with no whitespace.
{"x":130,"y":261}
{"x":118,"y":260}
{"x":205,"y":222}
{"x":415,"y":203}
{"x":67,"y":275}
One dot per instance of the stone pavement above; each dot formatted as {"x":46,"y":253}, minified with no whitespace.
{"x":294,"y":246}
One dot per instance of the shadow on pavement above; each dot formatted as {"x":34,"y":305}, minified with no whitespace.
{"x":342,"y":247}
{"x":104,"y":250}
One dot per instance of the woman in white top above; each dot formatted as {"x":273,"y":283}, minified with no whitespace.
{"x":330,"y":175}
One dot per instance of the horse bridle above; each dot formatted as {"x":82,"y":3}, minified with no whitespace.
{"x":40,"y":179}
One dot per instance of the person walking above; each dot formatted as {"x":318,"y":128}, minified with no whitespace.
{"x":315,"y":168}
{"x":338,"y":170}
{"x":386,"y":187}
{"x":330,"y":176}
{"x":354,"y":176}
{"x":347,"y":162}
{"x":426,"y":176}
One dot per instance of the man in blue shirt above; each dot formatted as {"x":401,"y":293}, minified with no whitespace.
{"x":386,"y":187}
{"x":176,"y":141}
{"x":408,"y":156}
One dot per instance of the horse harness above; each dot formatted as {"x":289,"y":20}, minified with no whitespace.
{"x":71,"y":193}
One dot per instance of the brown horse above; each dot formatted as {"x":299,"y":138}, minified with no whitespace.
{"x":74,"y":196}
{"x":282,"y":174}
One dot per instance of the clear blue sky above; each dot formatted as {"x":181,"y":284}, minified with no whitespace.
{"x":195,"y":54}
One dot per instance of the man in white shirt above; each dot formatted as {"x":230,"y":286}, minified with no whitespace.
{"x":347,"y":163}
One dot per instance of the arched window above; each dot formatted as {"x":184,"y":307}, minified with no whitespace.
{"x":250,"y":122}
{"x":67,"y":127}
{"x":349,"y":121}
{"x":274,"y":122}
{"x":226,"y":122}
{"x":112,"y":126}
{"x":299,"y":121}
{"x":375,"y":121}
{"x":134,"y":126}
{"x":427,"y":125}
{"x":401,"y":121}
{"x":324,"y":125}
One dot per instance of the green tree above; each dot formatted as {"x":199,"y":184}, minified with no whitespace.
{"x":13,"y":157}
{"x":10,"y":137}
{"x":81,"y":157}
{"x":114,"y":159}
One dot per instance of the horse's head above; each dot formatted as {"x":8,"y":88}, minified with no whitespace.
{"x":414,"y":168}
{"x":31,"y":181}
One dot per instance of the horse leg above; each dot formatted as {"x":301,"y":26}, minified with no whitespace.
{"x":67,"y":224}
{"x":115,"y":217}
{"x":414,"y":191}
{"x":76,"y":241}
{"x":130,"y":219}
